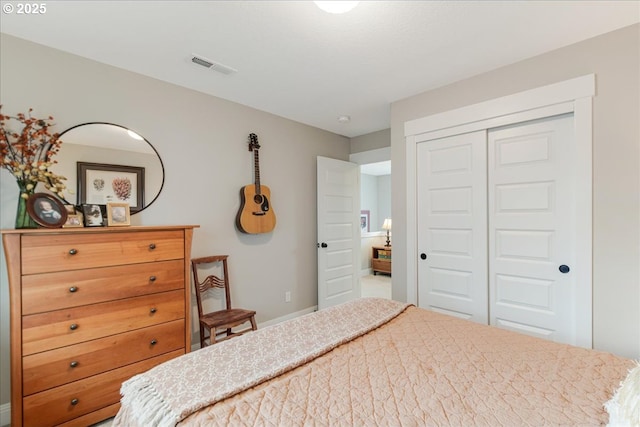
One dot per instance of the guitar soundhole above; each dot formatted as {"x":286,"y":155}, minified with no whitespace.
{"x":258,"y":199}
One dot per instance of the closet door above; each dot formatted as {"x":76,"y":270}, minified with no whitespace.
{"x":531,"y":242}
{"x":452,"y":225}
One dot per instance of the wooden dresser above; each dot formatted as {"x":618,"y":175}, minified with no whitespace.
{"x":381,"y":259}
{"x":91,"y":307}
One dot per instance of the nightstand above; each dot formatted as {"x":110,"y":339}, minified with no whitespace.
{"x":381,"y":259}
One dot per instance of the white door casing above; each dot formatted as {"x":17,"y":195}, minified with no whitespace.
{"x":338,"y":192}
{"x":452,"y":225}
{"x":532,"y":246}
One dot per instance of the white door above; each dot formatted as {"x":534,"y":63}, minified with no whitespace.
{"x":531,"y":240}
{"x":452,"y":225}
{"x":338,"y":231}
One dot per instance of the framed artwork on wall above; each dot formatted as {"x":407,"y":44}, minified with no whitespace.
{"x":365,"y":226}
{"x":100,"y":184}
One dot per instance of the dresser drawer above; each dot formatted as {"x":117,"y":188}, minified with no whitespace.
{"x":72,"y":400}
{"x":63,"y":252}
{"x":54,"y":291}
{"x":50,"y":369}
{"x":54,"y":329}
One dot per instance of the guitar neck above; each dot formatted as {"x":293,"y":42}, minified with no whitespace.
{"x":256,"y":169}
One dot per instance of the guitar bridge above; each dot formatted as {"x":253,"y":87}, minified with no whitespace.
{"x":258,"y":213}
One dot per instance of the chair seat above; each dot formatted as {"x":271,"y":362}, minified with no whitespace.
{"x":227,"y":318}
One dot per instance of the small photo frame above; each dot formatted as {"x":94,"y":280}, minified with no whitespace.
{"x":73,"y":220}
{"x":94,"y":215}
{"x":118,"y":214}
{"x":46,"y":210}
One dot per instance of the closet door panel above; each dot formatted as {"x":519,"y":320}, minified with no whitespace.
{"x":531,"y":210}
{"x":452,"y":226}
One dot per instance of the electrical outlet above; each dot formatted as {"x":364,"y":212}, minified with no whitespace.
{"x":287,"y":296}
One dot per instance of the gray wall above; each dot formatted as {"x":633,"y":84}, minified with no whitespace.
{"x":615,"y":59}
{"x":203,"y":144}
{"x":375,"y":196}
{"x":371,"y":141}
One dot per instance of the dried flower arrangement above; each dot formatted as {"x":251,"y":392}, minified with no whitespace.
{"x":27,"y":154}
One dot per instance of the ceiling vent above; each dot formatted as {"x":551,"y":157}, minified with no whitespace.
{"x":207,"y":63}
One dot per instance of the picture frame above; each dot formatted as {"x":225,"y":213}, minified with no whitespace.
{"x":94,"y":215}
{"x":46,"y":210}
{"x":118,"y":214}
{"x":364,"y":221}
{"x":100,"y":183}
{"x":73,"y":220}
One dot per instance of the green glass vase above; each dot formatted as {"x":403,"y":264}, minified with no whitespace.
{"x":23,"y":219}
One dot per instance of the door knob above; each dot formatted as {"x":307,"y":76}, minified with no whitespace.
{"x":564,"y":269}
{"x":322,"y":245}
{"x":423,"y":256}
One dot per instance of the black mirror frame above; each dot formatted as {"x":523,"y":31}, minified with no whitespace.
{"x":145,"y":140}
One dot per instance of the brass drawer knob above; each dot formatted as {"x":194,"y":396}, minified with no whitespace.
{"x":73,"y":251}
{"x":154,"y":342}
{"x":152,"y":246}
{"x":75,"y":401}
{"x":73,"y":364}
{"x":153,"y":310}
{"x":73,"y":289}
{"x":152,"y":279}
{"x":73,"y":326}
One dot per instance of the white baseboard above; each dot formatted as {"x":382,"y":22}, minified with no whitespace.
{"x":5,"y":414}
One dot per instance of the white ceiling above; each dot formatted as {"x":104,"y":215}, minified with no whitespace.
{"x":376,"y":169}
{"x":298,"y":62}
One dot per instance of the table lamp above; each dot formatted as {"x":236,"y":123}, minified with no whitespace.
{"x":387,"y":226}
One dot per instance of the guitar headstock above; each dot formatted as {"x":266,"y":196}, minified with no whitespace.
{"x":253,"y":142}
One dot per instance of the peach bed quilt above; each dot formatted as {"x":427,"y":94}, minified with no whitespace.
{"x":377,"y":362}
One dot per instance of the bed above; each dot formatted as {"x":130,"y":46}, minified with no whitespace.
{"x":378,"y":362}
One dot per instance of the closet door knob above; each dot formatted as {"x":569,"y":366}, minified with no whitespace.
{"x":564,"y":269}
{"x":423,"y":256}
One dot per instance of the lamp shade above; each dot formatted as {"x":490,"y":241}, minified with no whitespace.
{"x":387,"y":224}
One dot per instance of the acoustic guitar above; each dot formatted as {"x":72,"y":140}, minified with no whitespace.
{"x":256,"y":214}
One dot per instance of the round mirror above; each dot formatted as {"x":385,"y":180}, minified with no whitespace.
{"x":104,"y":162}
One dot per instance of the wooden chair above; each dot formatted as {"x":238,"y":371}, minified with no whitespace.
{"x":218,"y":323}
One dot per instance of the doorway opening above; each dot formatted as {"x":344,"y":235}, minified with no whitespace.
{"x":375,"y":208}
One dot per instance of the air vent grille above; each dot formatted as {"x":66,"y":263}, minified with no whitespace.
{"x":202,"y":62}
{"x":207,"y":63}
